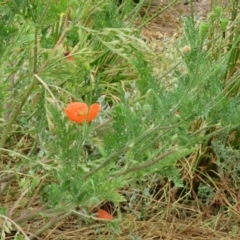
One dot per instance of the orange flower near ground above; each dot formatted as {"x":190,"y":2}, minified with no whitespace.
{"x":104,"y":215}
{"x":68,"y":56}
{"x":79,"y":112}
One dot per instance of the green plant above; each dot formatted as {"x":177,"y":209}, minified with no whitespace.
{"x":207,"y":67}
{"x":229,"y":41}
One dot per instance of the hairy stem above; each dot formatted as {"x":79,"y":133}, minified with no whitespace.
{"x":31,"y":215}
{"x":147,"y":164}
{"x":50,"y":223}
{"x":124,"y":149}
{"x":21,"y":171}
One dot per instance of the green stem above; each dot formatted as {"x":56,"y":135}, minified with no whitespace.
{"x":151,"y":92}
{"x":103,"y":164}
{"x":208,"y":136}
{"x":135,"y":12}
{"x":219,"y":52}
{"x":125,"y":149}
{"x":234,"y":38}
{"x":35,"y":213}
{"x":22,"y":170}
{"x":55,"y":33}
{"x":192,"y":11}
{"x":35,"y":55}
{"x":50,"y":223}
{"x":147,"y":164}
{"x":192,"y":81}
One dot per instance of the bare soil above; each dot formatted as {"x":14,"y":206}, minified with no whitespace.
{"x":170,"y":21}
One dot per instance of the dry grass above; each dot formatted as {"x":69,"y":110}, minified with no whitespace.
{"x":175,"y":222}
{"x":162,"y":213}
{"x":149,"y":230}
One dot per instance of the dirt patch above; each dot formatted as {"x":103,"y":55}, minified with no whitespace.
{"x":168,"y":23}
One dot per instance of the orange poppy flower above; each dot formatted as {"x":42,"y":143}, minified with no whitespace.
{"x":104,"y":215}
{"x":68,"y":56}
{"x":79,"y":112}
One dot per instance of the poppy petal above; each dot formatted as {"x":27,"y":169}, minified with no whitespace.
{"x":104,"y":215}
{"x":68,"y":56}
{"x":93,"y":111}
{"x":77,"y":112}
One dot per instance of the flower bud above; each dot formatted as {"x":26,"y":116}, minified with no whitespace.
{"x":212,"y":16}
{"x":223,"y":24}
{"x":149,"y":95}
{"x":218,"y":11}
{"x":203,"y":29}
{"x":87,"y":66}
{"x":147,"y":109}
{"x":93,"y":201}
